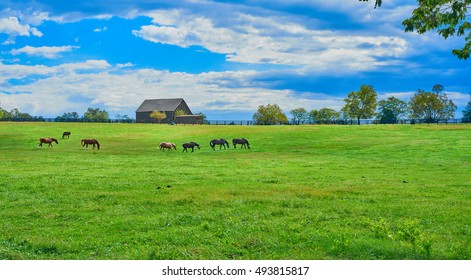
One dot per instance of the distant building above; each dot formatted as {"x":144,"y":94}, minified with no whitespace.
{"x":169,"y":107}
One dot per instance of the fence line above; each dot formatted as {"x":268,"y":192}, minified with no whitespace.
{"x":238,"y":122}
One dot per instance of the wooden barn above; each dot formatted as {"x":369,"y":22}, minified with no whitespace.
{"x":169,"y":107}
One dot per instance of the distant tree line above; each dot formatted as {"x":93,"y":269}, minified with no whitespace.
{"x":427,"y":106}
{"x":14,"y":114}
{"x":92,"y":114}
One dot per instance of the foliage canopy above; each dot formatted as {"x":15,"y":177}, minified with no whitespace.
{"x":361,"y":104}
{"x":158,"y":115}
{"x":96,"y":114}
{"x":448,"y":17}
{"x":390,"y":110}
{"x":300,"y":115}
{"x":270,"y":114}
{"x":431,"y":106}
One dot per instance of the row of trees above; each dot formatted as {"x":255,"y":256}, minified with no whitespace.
{"x":363,"y":104}
{"x":14,"y":114}
{"x":91,"y":114}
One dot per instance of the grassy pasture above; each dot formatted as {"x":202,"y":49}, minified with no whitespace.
{"x":301,"y":192}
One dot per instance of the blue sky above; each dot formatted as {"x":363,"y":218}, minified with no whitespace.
{"x":225,"y":58}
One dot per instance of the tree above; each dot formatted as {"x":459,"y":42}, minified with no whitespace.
{"x":179,"y":112}
{"x":391,"y":110}
{"x":448,"y":17}
{"x":96,"y":114}
{"x":16,"y":114}
{"x":68,"y":116}
{"x":269,"y":115}
{"x":467,"y":112}
{"x":431,"y":107}
{"x":314,"y":116}
{"x":361,"y":104}
{"x":299,"y":115}
{"x":325,"y":115}
{"x":4,"y":114}
{"x":158,"y":115}
{"x":204,"y":116}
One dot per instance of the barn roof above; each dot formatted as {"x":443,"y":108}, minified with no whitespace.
{"x":150,"y":105}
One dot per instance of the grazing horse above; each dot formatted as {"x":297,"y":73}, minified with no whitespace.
{"x":190,"y":145}
{"x":90,"y":142}
{"x":47,"y":141}
{"x":242,"y":142}
{"x":221,"y":142}
{"x":66,"y":133}
{"x":167,"y":145}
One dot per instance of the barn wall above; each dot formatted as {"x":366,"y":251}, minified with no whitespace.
{"x":143,"y":117}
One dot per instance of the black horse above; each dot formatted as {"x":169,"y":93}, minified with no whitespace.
{"x":65,"y":134}
{"x":191,"y":145}
{"x":221,"y":142}
{"x":242,"y":142}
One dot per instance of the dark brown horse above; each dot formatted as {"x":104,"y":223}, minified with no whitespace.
{"x":65,"y":134}
{"x":242,"y":142}
{"x":167,"y":145}
{"x":221,"y":142}
{"x":47,"y":141}
{"x":191,"y":145}
{"x":86,"y":142}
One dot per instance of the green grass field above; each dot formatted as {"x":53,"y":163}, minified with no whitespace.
{"x":301,"y":192}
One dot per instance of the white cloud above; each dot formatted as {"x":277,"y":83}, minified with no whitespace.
{"x":12,"y":27}
{"x":98,"y":30}
{"x":47,"y":52}
{"x":63,"y":89}
{"x":273,"y":40}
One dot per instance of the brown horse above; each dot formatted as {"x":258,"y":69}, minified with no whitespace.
{"x":86,"y":142}
{"x":47,"y":141}
{"x":66,"y":133}
{"x":167,"y":145}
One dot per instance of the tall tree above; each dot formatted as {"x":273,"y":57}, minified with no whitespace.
{"x":447,"y":17}
{"x":269,"y":115}
{"x":96,"y":114}
{"x":431,"y":107}
{"x":361,"y":104}
{"x":299,"y":115}
{"x":390,"y":110}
